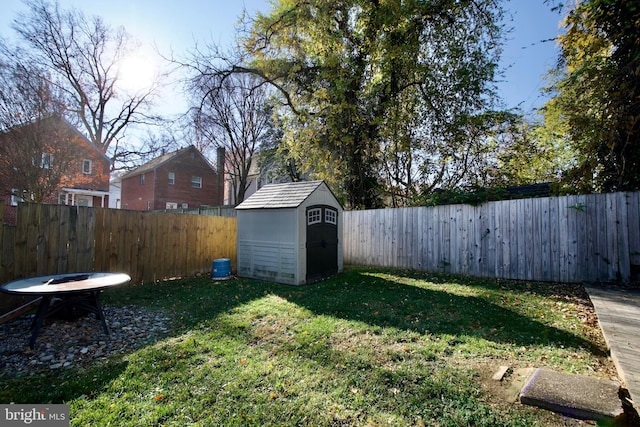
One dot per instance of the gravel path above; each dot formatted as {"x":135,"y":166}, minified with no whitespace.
{"x":64,"y":344}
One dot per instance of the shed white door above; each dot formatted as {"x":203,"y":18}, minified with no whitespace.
{"x":322,"y":242}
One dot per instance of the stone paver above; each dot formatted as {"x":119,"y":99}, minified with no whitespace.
{"x":618,"y":313}
{"x":577,"y":396}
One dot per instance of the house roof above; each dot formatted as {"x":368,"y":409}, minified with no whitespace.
{"x":277,"y":196}
{"x":86,"y":140}
{"x":159,"y":161}
{"x":65,"y":122}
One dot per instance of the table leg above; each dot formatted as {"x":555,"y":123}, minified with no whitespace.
{"x":89,"y":301}
{"x":95,"y":299}
{"x":101,"y":313}
{"x":43,"y":308}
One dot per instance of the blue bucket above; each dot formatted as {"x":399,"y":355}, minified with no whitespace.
{"x":221,"y":268}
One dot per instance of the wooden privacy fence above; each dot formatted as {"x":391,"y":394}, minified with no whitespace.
{"x":592,"y":237}
{"x":149,"y":246}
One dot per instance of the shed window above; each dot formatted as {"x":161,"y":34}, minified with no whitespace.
{"x":314,"y":216}
{"x":330,"y":216}
{"x":196,"y":182}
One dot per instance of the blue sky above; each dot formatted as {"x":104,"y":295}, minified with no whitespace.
{"x":529,"y":52}
{"x":177,"y":26}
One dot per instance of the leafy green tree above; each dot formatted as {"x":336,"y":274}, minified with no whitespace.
{"x":597,"y":95}
{"x":382,"y":96}
{"x":529,"y":153}
{"x":275,"y":162}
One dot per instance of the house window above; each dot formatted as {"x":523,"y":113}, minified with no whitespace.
{"x":172,"y":205}
{"x":47,"y":161}
{"x":86,"y":166}
{"x":185,"y":206}
{"x":15,"y":197}
{"x":196,"y":182}
{"x":314,"y":216}
{"x":172,"y":178}
{"x":330,"y":216}
{"x":83,"y":201}
{"x":142,"y":179}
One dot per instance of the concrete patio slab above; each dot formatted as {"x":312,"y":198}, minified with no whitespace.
{"x":618,"y":313}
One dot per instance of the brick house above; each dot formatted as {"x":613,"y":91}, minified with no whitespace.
{"x":52,"y":156}
{"x":182,"y":179}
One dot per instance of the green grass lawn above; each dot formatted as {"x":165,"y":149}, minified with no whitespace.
{"x":369,"y":347}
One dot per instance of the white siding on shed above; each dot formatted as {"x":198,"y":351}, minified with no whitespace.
{"x":267,"y":245}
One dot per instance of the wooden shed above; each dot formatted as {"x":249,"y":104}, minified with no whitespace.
{"x":290,"y":233}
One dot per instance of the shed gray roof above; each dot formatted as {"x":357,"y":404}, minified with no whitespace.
{"x":275,"y":196}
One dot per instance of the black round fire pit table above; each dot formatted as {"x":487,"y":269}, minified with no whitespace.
{"x":79,"y":291}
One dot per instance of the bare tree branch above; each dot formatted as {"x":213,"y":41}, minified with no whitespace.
{"x":83,"y":57}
